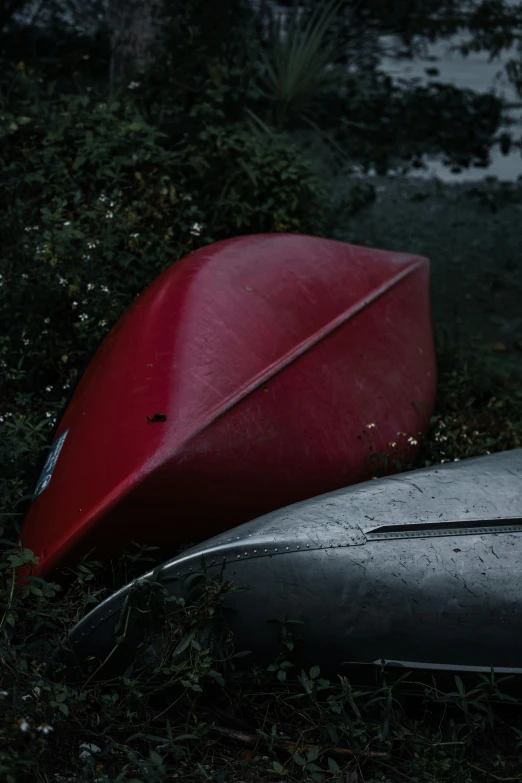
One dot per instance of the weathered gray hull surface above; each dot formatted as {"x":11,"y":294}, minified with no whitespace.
{"x":423,"y":568}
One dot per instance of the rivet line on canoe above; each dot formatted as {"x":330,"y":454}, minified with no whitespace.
{"x":213,"y":562}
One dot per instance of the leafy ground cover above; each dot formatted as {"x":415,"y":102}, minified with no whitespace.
{"x":98,"y":202}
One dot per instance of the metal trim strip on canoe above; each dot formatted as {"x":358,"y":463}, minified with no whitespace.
{"x":470,"y":527}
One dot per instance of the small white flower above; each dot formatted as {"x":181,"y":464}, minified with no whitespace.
{"x":457,"y":459}
{"x":26,"y":341}
{"x":83,"y":316}
{"x":105,"y":289}
{"x":22,"y":725}
{"x":67,"y":223}
{"x":28,"y":228}
{"x":24,"y":276}
{"x":4,"y":693}
{"x":392,"y":443}
{"x":371,"y":425}
{"x":47,"y":320}
{"x":102,"y":197}
{"x":90,"y":286}
{"x":133,"y":85}
{"x":48,"y":388}
{"x":103,"y":322}
{"x":44,"y":728}
{"x":48,"y":414}
{"x":187,"y":198}
{"x":135,"y":235}
{"x":74,"y":305}
{"x":45,"y":331}
{"x":412,"y":441}
{"x":109,"y":214}
{"x":91,"y":244}
{"x":196,"y":229}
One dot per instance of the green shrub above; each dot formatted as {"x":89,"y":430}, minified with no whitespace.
{"x":98,"y":202}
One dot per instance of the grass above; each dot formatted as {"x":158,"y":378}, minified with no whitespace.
{"x":471,"y":239}
{"x":199,"y":716}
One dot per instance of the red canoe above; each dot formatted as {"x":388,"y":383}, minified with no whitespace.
{"x":254,"y":373}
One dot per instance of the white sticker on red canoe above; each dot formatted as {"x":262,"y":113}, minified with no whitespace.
{"x":50,"y":464}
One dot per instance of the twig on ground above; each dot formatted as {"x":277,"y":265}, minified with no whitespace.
{"x":251,"y":739}
{"x":491,"y":774}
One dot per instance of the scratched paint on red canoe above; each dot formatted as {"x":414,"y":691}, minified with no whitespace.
{"x":256,"y":372}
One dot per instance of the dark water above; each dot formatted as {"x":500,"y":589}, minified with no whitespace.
{"x":475,"y":72}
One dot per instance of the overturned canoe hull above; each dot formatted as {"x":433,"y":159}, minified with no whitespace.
{"x":252,"y":374}
{"x":422,"y":569}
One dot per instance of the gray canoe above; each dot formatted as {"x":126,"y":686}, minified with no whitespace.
{"x":422,"y":569}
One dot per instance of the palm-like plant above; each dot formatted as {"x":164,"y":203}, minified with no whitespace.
{"x":299,"y":63}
